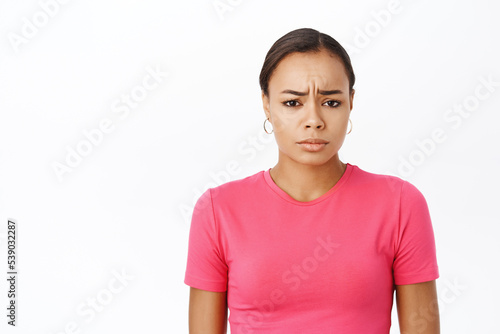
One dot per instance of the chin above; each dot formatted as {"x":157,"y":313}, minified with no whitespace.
{"x":318,"y":158}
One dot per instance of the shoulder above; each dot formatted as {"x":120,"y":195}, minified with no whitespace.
{"x":377,"y":183}
{"x":234,"y":189}
{"x":383,"y":186}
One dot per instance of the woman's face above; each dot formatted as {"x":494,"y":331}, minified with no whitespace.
{"x":321,"y":110}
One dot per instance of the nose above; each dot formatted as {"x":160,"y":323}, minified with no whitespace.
{"x":313,"y":116}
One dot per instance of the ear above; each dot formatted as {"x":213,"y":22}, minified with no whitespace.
{"x":265,"y":104}
{"x":351,"y":98}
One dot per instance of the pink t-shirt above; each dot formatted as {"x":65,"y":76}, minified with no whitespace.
{"x":329,"y":265}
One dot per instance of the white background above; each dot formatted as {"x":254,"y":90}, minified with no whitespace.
{"x":126,"y":205}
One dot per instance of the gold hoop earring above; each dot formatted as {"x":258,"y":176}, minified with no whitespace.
{"x":267,"y":119}
{"x":351,"y":126}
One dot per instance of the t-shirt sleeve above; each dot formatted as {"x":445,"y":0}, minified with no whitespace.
{"x":415,"y":257}
{"x":206,"y":268}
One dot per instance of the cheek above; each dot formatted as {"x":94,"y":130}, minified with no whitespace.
{"x":284,"y":136}
{"x":284,"y":122}
{"x":337,"y":118}
{"x":337,"y":125}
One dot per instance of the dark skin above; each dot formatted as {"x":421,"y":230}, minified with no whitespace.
{"x":207,"y":312}
{"x":306,"y":175}
{"x":418,"y":310}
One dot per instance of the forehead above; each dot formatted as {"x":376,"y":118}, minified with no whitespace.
{"x":301,"y":69}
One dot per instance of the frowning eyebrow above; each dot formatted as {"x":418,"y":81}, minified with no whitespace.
{"x":322,"y":92}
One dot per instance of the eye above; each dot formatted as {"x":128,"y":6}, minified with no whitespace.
{"x":287,"y":105}
{"x":337,"y":103}
{"x":294,"y":103}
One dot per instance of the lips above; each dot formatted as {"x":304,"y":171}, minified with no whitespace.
{"x":310,"y":147}
{"x":313,"y":141}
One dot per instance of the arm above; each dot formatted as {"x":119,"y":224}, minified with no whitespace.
{"x":207,"y":312}
{"x":417,"y":306}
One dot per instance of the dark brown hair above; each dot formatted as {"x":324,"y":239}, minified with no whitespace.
{"x":302,"y":40}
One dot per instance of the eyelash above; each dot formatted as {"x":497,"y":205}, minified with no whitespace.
{"x":285,"y":103}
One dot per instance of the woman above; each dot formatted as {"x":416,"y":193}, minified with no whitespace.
{"x":313,"y":244}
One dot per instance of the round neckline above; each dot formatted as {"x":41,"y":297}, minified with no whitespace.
{"x":285,"y":196}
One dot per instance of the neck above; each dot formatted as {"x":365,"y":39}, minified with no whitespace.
{"x":307,"y":182}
